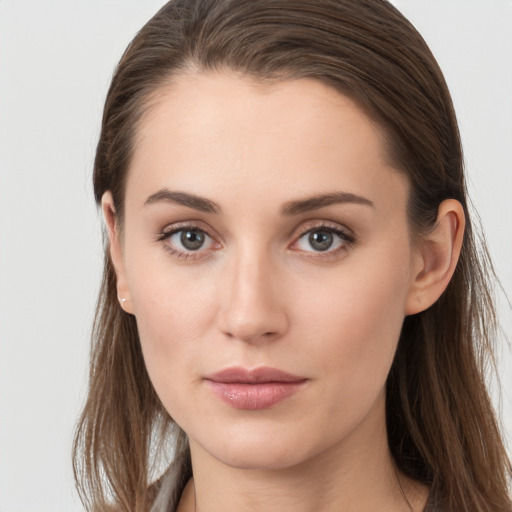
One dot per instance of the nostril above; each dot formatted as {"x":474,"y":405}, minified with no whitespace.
{"x":250,"y":336}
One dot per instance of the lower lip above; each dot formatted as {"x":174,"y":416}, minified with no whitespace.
{"x":256,"y":396}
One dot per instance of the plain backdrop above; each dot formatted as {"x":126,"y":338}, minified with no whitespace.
{"x":56,"y":60}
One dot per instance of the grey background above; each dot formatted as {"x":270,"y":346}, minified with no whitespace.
{"x":56,"y":60}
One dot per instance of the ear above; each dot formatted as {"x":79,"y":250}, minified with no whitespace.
{"x":436,"y":257}
{"x":116,"y":251}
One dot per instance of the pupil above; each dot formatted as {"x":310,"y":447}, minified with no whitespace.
{"x":320,"y":240}
{"x":192,"y":240}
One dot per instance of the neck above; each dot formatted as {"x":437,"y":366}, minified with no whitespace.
{"x":356,"y":475}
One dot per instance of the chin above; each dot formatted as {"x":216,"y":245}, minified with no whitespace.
{"x":262,"y":458}
{"x":260,"y":450}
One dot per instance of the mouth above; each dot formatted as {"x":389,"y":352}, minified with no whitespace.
{"x":255,"y":389}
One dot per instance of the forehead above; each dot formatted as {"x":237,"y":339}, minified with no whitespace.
{"x":218,"y":133}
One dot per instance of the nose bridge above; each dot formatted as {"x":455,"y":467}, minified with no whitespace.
{"x":252,"y":308}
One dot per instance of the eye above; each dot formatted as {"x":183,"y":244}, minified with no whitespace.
{"x":323,"y":239}
{"x":186,"y":242}
{"x":190,"y":239}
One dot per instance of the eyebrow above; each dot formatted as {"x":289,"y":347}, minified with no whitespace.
{"x":290,"y":208}
{"x":321,"y":201}
{"x":184,"y":199}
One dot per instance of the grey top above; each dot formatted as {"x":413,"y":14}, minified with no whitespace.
{"x":170,"y":492}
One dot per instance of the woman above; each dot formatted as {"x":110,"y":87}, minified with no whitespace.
{"x":294,"y":313}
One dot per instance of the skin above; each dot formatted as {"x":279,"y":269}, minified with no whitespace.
{"x":258,"y":293}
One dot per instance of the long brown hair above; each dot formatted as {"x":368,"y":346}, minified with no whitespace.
{"x":441,"y":425}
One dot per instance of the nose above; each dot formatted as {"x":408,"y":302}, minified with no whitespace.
{"x":252,"y":303}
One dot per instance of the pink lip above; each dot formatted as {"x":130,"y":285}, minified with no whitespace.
{"x":255,"y":389}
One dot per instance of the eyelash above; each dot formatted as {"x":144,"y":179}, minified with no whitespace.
{"x":347,"y":240}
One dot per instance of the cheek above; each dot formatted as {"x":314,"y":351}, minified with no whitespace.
{"x":358,"y":318}
{"x":169,"y":299}
{"x":174,"y":311}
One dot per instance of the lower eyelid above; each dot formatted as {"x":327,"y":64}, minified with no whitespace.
{"x":183,"y":254}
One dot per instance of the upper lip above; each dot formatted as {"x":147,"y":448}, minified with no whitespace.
{"x":253,"y":376}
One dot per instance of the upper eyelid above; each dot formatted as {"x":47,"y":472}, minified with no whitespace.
{"x":322,"y":224}
{"x":176,"y":227}
{"x":191,"y":224}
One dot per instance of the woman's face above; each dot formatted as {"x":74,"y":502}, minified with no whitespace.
{"x":264,"y":230}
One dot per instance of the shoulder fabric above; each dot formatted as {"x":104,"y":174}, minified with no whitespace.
{"x":170,"y":489}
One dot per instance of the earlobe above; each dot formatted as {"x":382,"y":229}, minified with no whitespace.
{"x":116,"y":251}
{"x":436,"y":257}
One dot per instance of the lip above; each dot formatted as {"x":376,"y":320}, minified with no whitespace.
{"x":253,"y":389}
